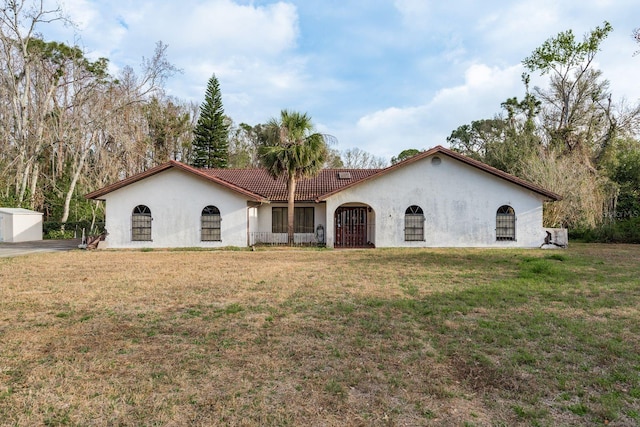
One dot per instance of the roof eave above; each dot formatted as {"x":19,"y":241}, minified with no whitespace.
{"x":550,"y":195}
{"x":455,"y":155}
{"x":98,"y":194}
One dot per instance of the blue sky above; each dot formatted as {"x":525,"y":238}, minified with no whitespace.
{"x":380,"y":75}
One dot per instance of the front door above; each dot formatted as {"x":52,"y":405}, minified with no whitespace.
{"x":351,"y":227}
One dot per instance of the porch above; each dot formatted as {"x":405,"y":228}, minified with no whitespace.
{"x":354,"y":226}
{"x":272,"y":239}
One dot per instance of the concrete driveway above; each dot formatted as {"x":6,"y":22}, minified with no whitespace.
{"x":25,"y":248}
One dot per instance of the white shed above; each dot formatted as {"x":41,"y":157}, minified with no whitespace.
{"x":20,"y":225}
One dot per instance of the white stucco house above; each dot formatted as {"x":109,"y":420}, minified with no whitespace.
{"x":438,"y":198}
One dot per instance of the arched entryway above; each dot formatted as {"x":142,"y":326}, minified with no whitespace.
{"x":354,"y":226}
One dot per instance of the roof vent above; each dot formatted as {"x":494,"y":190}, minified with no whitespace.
{"x":344,"y":175}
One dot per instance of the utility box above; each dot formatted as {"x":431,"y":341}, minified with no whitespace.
{"x":20,"y":225}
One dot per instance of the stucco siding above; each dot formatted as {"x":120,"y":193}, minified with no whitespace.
{"x":459,"y":204}
{"x":176,"y":200}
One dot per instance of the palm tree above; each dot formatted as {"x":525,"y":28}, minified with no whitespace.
{"x":291,"y":148}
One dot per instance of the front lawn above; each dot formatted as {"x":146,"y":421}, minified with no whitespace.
{"x":398,"y":337}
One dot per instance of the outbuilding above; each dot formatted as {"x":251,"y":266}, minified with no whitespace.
{"x":20,"y":225}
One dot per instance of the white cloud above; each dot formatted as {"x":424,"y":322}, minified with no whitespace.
{"x":415,"y":13}
{"x":195,"y":31}
{"x":520,"y":22}
{"x":215,"y":29}
{"x":81,"y":12}
{"x":223,"y":27}
{"x":389,"y":131}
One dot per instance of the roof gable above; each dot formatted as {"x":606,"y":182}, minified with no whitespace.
{"x":98,"y":194}
{"x":457,"y":156}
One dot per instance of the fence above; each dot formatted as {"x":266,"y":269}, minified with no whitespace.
{"x":299,"y":239}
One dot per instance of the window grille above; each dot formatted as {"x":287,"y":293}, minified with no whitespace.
{"x":210,"y":222}
{"x":141,"y":224}
{"x":505,"y":223}
{"x":414,"y":224}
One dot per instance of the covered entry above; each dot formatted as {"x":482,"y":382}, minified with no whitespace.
{"x":354,"y":226}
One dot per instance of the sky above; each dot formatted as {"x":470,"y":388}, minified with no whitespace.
{"x":379,"y":75}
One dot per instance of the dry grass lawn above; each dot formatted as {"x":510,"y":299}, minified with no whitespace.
{"x":321,"y":338}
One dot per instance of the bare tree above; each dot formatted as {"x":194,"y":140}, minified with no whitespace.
{"x":355,"y":158}
{"x":104,"y":111}
{"x":29,"y":77}
{"x":586,"y":196}
{"x":170,"y":129}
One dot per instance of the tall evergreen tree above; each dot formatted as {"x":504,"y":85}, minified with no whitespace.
{"x":211,"y":134}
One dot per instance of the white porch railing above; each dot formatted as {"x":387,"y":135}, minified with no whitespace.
{"x":266,"y":238}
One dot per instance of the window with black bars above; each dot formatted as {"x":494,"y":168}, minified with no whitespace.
{"x":505,"y":223}
{"x":414,"y":224}
{"x":141,"y":224}
{"x":303,"y":220}
{"x":210,"y":222}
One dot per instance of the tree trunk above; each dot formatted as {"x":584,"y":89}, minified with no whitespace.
{"x":291,"y":186}
{"x":24,"y":181}
{"x":72,"y":186}
{"x":35,"y":174}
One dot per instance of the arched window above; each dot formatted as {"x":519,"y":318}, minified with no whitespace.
{"x":141,"y":223}
{"x":414,"y":224}
{"x":505,"y":223}
{"x":210,"y":224}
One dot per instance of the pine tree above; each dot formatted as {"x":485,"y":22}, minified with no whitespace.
{"x":211,"y":134}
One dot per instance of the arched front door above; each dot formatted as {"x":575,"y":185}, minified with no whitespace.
{"x":351,"y":227}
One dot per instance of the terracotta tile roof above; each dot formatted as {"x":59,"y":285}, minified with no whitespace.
{"x":258,"y":181}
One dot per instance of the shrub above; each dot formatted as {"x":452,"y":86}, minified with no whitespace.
{"x":618,"y":231}
{"x":70,"y":230}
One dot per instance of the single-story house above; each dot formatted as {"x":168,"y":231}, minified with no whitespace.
{"x":20,"y":225}
{"x":438,"y":198}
